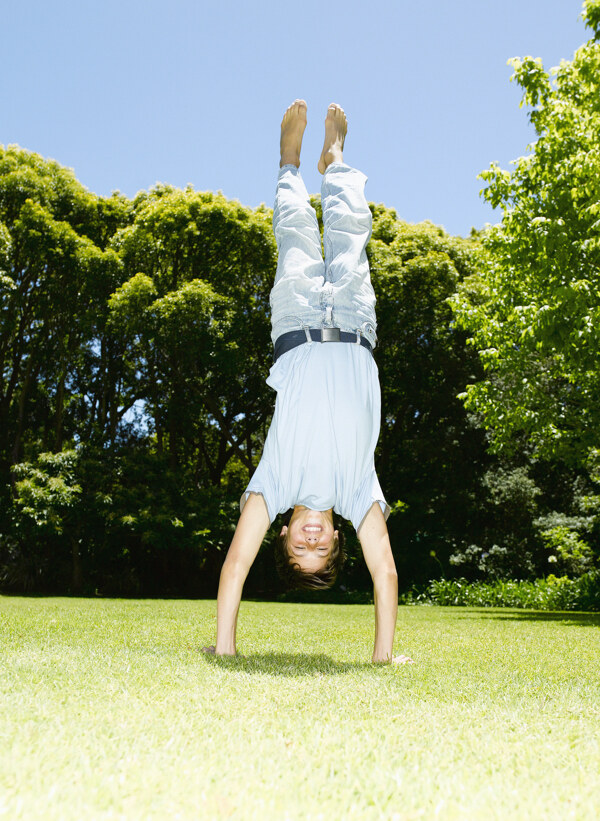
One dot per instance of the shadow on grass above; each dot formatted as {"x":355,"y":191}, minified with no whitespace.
{"x":289,"y":664}
{"x":563,"y":616}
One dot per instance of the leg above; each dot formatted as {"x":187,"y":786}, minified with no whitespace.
{"x":296,"y":231}
{"x":347,"y":224}
{"x":295,"y":296}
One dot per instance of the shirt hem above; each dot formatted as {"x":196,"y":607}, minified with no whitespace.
{"x":385,"y":510}
{"x":244,"y":499}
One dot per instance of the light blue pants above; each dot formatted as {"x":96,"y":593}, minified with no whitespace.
{"x":309,"y":291}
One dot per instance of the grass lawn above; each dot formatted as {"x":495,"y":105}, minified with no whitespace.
{"x":109,"y":711}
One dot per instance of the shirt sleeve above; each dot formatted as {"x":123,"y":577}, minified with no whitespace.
{"x":368,"y":493}
{"x":263,"y":482}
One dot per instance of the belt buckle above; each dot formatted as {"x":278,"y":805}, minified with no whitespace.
{"x":330,"y":335}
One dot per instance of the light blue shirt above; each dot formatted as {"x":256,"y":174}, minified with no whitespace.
{"x":319,"y":451}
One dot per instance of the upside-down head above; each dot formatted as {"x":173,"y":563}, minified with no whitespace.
{"x":309,"y":550}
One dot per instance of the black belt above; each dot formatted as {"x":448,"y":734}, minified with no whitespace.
{"x":292,"y":339}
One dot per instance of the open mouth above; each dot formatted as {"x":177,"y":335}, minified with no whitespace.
{"x":312,"y":528}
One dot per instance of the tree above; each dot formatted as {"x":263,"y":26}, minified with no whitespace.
{"x":431,"y":453}
{"x":192,"y":325}
{"x":534,"y":309}
{"x":134,"y":346}
{"x":53,"y":281}
{"x":46,"y":496}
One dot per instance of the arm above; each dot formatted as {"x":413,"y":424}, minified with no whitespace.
{"x":247,"y":539}
{"x":375,"y":543}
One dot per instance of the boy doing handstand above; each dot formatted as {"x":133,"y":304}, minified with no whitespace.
{"x":319,"y":453}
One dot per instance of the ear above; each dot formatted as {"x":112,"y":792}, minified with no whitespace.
{"x":336,"y":534}
{"x":283,"y":530}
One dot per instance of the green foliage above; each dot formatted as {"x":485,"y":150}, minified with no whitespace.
{"x":199,"y":270}
{"x":46,"y":490}
{"x":431,"y":453}
{"x":566,"y":547}
{"x":40,"y":539}
{"x":591,"y":16}
{"x":55,"y":274}
{"x":507,"y":543}
{"x":161,"y":535}
{"x":137,"y":334}
{"x":534,"y":307}
{"x":551,"y":593}
{"x":135,"y":342}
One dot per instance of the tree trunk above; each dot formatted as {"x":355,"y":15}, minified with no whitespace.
{"x":30,"y":377}
{"x":77,"y":568}
{"x":172,"y":440}
{"x":159,"y":436}
{"x":60,"y":402}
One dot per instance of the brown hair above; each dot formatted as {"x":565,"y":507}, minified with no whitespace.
{"x":294,"y":578}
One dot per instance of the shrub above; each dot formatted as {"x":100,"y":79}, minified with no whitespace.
{"x":551,"y":593}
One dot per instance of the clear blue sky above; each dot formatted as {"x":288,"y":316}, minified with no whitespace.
{"x":131,"y":92}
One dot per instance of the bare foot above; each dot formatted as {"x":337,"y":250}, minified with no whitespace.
{"x":292,"y":131}
{"x":336,"y":127}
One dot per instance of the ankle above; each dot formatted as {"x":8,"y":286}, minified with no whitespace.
{"x":286,"y":160}
{"x":333,"y":155}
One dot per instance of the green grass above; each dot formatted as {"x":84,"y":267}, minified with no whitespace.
{"x":109,"y":711}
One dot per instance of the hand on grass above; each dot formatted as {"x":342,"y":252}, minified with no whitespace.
{"x":212,"y":651}
{"x":393,"y":660}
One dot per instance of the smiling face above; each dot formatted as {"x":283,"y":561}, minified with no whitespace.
{"x":310,"y":538}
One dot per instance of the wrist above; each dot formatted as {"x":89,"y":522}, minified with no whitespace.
{"x":382,"y":654}
{"x":225,"y":649}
